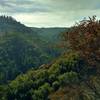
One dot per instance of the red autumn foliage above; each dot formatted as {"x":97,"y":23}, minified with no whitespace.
{"x":84,"y":37}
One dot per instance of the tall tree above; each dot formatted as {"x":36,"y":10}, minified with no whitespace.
{"x":84,"y":37}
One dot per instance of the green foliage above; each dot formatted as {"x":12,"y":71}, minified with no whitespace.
{"x":22,"y":48}
{"x":65,"y":78}
{"x":56,"y":85}
{"x":38,"y":83}
{"x":42,"y":92}
{"x":70,"y":62}
{"x":68,"y":78}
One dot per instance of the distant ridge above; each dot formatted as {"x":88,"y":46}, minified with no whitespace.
{"x":23,"y":48}
{"x":9,"y":24}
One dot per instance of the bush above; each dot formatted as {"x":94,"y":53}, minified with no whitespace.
{"x":72,"y":62}
{"x":56,"y":85}
{"x":42,"y":92}
{"x":52,"y":78}
{"x":68,"y":78}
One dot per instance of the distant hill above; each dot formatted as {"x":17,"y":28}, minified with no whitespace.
{"x":50,"y":33}
{"x":9,"y":24}
{"x":22,"y":48}
{"x":52,"y":39}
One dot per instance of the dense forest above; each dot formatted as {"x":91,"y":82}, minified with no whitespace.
{"x":22,"y":48}
{"x":62,"y":74}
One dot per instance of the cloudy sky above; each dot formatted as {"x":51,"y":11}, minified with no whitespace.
{"x":49,"y":13}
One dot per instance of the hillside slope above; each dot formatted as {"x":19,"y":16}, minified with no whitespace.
{"x":50,"y":34}
{"x":52,"y":38}
{"x":75,"y":75}
{"x":21,"y":48}
{"x":66,"y":78}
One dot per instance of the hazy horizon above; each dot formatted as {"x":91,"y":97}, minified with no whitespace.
{"x":49,"y":13}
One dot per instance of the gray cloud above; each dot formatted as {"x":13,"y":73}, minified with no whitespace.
{"x":22,"y":6}
{"x":73,"y":5}
{"x":49,"y":12}
{"x":31,"y":6}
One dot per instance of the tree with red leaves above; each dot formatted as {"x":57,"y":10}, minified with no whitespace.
{"x":84,"y":37}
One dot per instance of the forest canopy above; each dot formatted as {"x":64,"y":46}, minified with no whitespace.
{"x":75,"y":74}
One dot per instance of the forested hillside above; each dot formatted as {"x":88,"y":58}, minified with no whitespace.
{"x":74,"y":75}
{"x":10,"y":25}
{"x":22,"y":48}
{"x":50,"y":34}
{"x":52,"y":38}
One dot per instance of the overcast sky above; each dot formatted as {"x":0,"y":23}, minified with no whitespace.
{"x":49,"y":13}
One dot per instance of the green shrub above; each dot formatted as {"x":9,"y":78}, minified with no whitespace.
{"x":55,"y":85}
{"x":68,"y":78}
{"x":42,"y":92}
